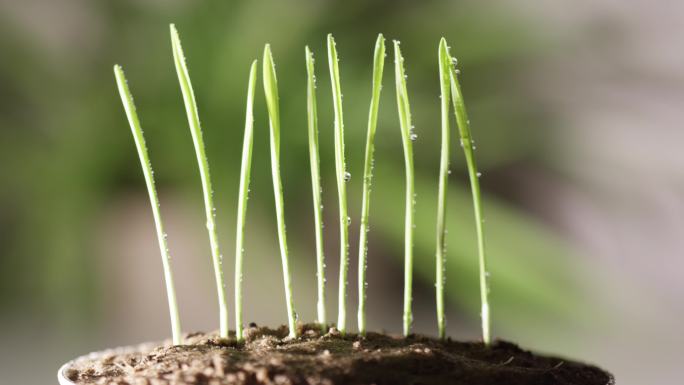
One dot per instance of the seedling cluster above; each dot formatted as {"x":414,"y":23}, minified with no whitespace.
{"x":450,"y":94}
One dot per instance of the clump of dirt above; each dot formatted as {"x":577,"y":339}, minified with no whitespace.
{"x":267,"y":356}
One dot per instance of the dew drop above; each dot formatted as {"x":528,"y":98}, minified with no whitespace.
{"x":347,"y":176}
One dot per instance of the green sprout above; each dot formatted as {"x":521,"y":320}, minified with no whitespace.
{"x":132,"y":115}
{"x":468,"y":149}
{"x":407,"y":138}
{"x":196,"y":131}
{"x":245,"y":170}
{"x":378,"y":66}
{"x":444,"y":84}
{"x":450,"y":90}
{"x":314,"y":160}
{"x":343,"y":176}
{"x":271,"y":92}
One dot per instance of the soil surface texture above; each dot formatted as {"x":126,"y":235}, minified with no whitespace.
{"x":267,"y":356}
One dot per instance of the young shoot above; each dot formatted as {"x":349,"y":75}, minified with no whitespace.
{"x":245,"y":170}
{"x":196,"y":132}
{"x":132,"y":115}
{"x":271,"y":92}
{"x":444,"y":84}
{"x":378,"y":66}
{"x":468,"y":149}
{"x":407,"y":137}
{"x":314,"y":160}
{"x":343,"y":177}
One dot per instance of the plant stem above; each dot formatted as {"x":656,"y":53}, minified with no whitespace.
{"x":474,"y":175}
{"x":245,"y":170}
{"x":378,"y":66}
{"x":444,"y":76}
{"x":342,"y":178}
{"x":271,"y":92}
{"x":407,"y":136}
{"x":314,"y":160}
{"x":132,"y":115}
{"x":196,"y":131}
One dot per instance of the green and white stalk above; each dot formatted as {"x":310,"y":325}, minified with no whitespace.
{"x":245,"y":170}
{"x":474,"y":175}
{"x":314,"y":160}
{"x":196,"y":131}
{"x":445,"y":95}
{"x":134,"y":122}
{"x":407,"y":138}
{"x":378,"y":66}
{"x":342,"y":177}
{"x":271,"y":92}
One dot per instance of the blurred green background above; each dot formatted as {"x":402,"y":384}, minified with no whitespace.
{"x":575,"y":107}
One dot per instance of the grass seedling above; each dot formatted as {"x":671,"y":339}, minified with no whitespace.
{"x":196,"y":131}
{"x":444,"y":84}
{"x":245,"y":170}
{"x":314,"y":160}
{"x":134,"y":122}
{"x":271,"y":92}
{"x":378,"y":66}
{"x":407,"y":137}
{"x":468,"y":149}
{"x":343,"y":177}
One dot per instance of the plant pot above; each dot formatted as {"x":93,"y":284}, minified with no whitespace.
{"x":268,"y":357}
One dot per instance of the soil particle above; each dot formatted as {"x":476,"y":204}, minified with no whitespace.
{"x":268,"y":357}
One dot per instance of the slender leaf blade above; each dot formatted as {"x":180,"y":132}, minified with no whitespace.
{"x":141,"y":146}
{"x":245,"y":171}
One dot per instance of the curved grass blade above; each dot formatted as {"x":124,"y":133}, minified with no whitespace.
{"x":271,"y":91}
{"x":342,"y":177}
{"x":314,"y":160}
{"x":245,"y":170}
{"x":468,"y":149}
{"x":198,"y":141}
{"x":131,"y":114}
{"x":378,"y":66}
{"x":444,"y":84}
{"x":407,"y":137}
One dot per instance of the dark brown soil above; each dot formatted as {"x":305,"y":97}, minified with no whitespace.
{"x":267,"y":357}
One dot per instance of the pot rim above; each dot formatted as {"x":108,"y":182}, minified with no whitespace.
{"x":61,"y":375}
